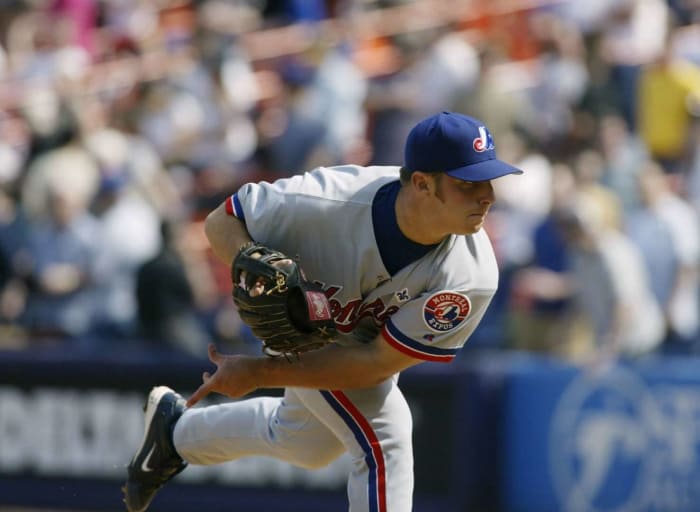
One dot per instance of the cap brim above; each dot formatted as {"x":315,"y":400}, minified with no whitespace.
{"x":484,"y":171}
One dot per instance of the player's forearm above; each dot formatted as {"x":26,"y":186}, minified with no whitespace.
{"x":226,"y":234}
{"x":332,"y":367}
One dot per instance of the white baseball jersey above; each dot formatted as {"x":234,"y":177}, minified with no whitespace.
{"x":426,"y":301}
{"x":427,"y":309}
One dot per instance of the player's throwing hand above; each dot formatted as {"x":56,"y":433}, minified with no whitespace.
{"x":233,"y":377}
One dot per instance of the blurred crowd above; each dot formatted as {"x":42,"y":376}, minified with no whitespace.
{"x":124,"y":122}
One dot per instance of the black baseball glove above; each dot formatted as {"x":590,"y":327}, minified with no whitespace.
{"x":289,"y":314}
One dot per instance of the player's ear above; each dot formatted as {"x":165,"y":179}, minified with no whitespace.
{"x":422,"y":182}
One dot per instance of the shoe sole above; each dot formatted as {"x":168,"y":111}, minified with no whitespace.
{"x":149,"y":408}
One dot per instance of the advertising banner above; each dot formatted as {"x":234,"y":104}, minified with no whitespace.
{"x":623,"y":439}
{"x":69,"y":424}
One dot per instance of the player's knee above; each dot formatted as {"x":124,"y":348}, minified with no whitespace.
{"x":317,"y":459}
{"x":399,"y":446}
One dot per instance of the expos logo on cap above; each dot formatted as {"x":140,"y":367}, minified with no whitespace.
{"x":484,"y":142}
{"x":444,"y":311}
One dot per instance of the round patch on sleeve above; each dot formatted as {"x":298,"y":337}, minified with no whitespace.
{"x":444,"y":311}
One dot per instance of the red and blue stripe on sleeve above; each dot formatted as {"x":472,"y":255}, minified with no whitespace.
{"x":234,"y":208}
{"x":409,"y":346}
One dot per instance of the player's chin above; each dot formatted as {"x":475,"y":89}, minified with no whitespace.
{"x":472,"y":225}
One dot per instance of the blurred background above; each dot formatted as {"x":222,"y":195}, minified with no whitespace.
{"x":124,"y":122}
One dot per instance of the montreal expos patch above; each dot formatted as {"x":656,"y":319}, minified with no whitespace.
{"x":444,"y":311}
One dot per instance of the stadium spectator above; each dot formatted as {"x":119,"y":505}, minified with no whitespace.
{"x":130,"y":229}
{"x":63,"y":244}
{"x":682,"y":292}
{"x":612,"y":288}
{"x":624,"y":155}
{"x":633,"y":35}
{"x":543,"y":318}
{"x":668,"y":103}
{"x":167,"y":309}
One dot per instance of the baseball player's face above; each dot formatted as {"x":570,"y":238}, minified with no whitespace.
{"x":463,"y":204}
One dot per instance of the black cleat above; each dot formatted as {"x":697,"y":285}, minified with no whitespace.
{"x":156,"y":461}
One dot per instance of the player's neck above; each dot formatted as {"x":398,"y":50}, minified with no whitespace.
{"x":413,"y":221}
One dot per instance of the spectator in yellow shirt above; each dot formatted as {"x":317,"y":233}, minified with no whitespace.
{"x":668,"y":108}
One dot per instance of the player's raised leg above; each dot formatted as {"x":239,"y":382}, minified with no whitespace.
{"x":156,"y":461}
{"x":279,"y":427}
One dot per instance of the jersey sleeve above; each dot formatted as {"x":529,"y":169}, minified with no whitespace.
{"x":435,"y":325}
{"x":308,"y":216}
{"x":263,"y":207}
{"x":281,"y":210}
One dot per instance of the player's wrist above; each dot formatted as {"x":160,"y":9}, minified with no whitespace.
{"x":270,"y":372}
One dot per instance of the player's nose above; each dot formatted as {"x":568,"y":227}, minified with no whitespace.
{"x":486,"y":195}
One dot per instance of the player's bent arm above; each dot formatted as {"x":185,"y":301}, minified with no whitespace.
{"x":226,"y":234}
{"x":338,"y":367}
{"x":331,"y":367}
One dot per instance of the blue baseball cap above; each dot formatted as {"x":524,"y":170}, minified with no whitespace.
{"x":458,"y":145}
